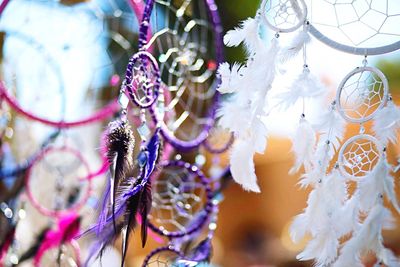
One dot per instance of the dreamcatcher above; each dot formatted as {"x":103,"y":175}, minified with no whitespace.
{"x":56,"y":159}
{"x":171,"y":80}
{"x":358,"y":27}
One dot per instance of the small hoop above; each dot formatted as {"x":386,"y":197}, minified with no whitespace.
{"x":149,"y":79}
{"x":356,"y":158}
{"x":297,"y":5}
{"x":35,"y":202}
{"x":361,"y":118}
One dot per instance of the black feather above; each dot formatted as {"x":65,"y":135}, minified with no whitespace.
{"x":130,"y":222}
{"x":120,"y":143}
{"x":145,"y":207}
{"x":31,"y":252}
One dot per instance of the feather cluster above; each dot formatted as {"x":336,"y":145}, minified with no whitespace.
{"x":305,"y":86}
{"x":243,"y":111}
{"x":296,"y":45}
{"x":132,"y":198}
{"x":387,"y":123}
{"x":119,"y":143}
{"x":331,"y":214}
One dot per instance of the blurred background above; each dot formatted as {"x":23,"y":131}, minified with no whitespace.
{"x":252,"y":228}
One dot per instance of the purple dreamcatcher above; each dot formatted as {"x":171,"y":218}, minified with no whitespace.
{"x":172,"y":82}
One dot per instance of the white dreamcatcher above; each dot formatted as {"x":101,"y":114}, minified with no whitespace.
{"x":333,"y":212}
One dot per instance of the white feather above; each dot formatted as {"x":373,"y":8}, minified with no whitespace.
{"x":367,"y":238}
{"x":230,"y":78}
{"x":348,"y":217}
{"x":323,"y":248}
{"x":303,"y":146}
{"x":324,"y":244}
{"x":234,"y":115}
{"x":296,"y":45}
{"x":379,"y":181}
{"x":247,"y":32}
{"x":387,"y":123}
{"x":242,"y":165}
{"x":331,"y":126}
{"x":306,"y":85}
{"x":243,"y":112}
{"x":314,"y":214}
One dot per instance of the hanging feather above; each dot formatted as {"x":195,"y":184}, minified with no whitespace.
{"x":331,"y":127}
{"x":303,"y":146}
{"x":324,"y":244}
{"x":378,"y":181}
{"x":67,"y":229}
{"x":234,"y":115}
{"x":242,"y":165}
{"x":387,"y":123}
{"x":348,"y":216}
{"x":133,"y":198}
{"x":230,"y":78}
{"x":367,"y":238}
{"x":6,"y":243}
{"x":119,"y":145}
{"x":32,"y":251}
{"x":306,"y":85}
{"x":323,"y":248}
{"x":296,"y":45}
{"x":247,"y":32}
{"x":313,"y":213}
{"x":202,"y":252}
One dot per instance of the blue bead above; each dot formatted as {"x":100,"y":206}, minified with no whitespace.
{"x":142,"y":158}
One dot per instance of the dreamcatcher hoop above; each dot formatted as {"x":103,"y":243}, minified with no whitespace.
{"x":383,"y":101}
{"x":362,"y":51}
{"x":359,"y":158}
{"x":132,"y":81}
{"x":78,"y":205}
{"x":100,"y":115}
{"x":198,"y":220}
{"x":168,"y":249}
{"x":169,"y":135}
{"x":296,"y":5}
{"x":355,"y":48}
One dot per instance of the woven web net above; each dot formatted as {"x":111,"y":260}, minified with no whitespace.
{"x":179,"y":198}
{"x":284,"y":14}
{"x":183,"y":43}
{"x":63,"y":256}
{"x":164,"y":258}
{"x":58,"y":180}
{"x":360,"y":157}
{"x":360,"y":23}
{"x":362,"y":95}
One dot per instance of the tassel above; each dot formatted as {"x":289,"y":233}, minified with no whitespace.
{"x":119,"y":143}
{"x":387,"y":123}
{"x":303,"y":146}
